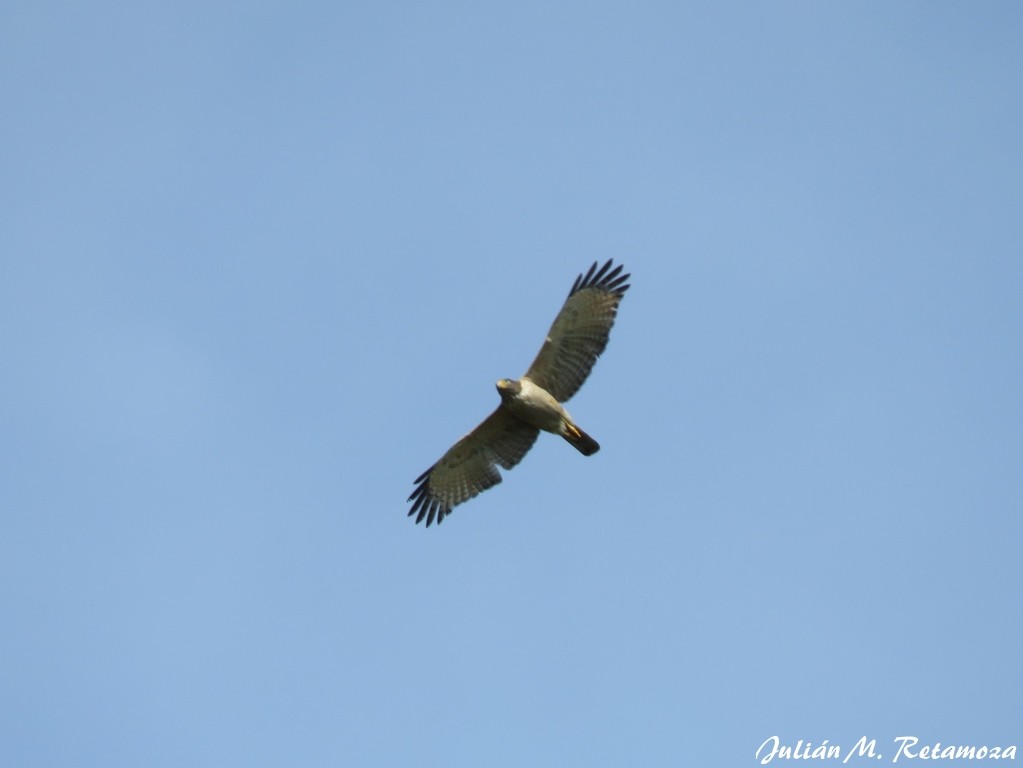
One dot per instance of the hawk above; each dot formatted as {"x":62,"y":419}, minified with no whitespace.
{"x":530,"y":404}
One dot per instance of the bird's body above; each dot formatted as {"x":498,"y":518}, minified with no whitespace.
{"x":538,"y":408}
{"x":531,"y":404}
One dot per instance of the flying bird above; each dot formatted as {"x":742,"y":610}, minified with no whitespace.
{"x":530,"y":404}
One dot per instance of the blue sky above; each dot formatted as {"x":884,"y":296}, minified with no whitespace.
{"x":261,"y":264}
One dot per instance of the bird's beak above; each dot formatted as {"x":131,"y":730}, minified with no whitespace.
{"x":502,"y":384}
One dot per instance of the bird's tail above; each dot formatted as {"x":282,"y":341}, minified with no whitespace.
{"x":585,"y":444}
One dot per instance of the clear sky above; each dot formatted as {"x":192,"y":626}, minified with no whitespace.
{"x":262,"y":263}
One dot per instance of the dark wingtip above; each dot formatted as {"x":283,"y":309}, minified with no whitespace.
{"x":607,"y":279}
{"x":423,"y":504}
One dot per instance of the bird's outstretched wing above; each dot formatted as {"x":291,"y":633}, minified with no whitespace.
{"x":469,"y":466}
{"x":580,"y":331}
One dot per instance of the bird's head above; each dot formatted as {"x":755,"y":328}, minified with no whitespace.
{"x":508,"y":387}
